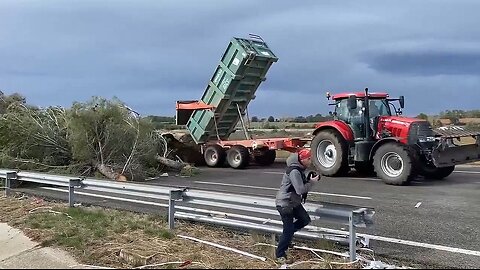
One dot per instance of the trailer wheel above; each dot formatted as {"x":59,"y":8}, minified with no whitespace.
{"x":266,"y":157}
{"x":432,"y":172}
{"x":238,"y":157}
{"x":330,"y":153}
{"x":393,"y":164}
{"x":214,"y":155}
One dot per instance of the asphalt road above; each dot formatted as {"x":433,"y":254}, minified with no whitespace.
{"x":445,"y":213}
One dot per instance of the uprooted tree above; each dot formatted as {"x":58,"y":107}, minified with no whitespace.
{"x":99,"y":136}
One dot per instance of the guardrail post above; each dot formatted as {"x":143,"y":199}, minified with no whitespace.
{"x":352,"y":238}
{"x":73,"y":183}
{"x":11,"y":176}
{"x":174,"y":195}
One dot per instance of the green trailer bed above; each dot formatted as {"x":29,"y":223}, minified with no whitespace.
{"x":233,"y":85}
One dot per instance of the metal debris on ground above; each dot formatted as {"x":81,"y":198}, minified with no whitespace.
{"x":381,"y":265}
{"x":223,"y":247}
{"x":49,"y":210}
{"x":134,"y":258}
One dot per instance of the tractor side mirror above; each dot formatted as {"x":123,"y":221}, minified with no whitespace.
{"x":402,"y":101}
{"x":352,"y":102}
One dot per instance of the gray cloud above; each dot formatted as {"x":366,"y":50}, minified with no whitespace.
{"x":152,"y":53}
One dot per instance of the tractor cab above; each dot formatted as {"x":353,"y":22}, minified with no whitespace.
{"x":352,"y":109}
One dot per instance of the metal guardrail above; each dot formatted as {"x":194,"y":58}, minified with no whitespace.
{"x":252,"y":212}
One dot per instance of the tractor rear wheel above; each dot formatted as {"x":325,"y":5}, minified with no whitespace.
{"x":432,"y":172}
{"x":330,"y":153}
{"x":266,"y":157}
{"x":238,"y":157}
{"x":393,"y":164}
{"x":214,"y":155}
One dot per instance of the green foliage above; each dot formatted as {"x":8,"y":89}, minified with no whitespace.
{"x":422,"y":116}
{"x":79,"y":139}
{"x":35,"y":134}
{"x":161,"y":122}
{"x":100,"y":130}
{"x":460,"y":114}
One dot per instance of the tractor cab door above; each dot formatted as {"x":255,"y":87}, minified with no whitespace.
{"x":352,"y":117}
{"x":377,"y":107}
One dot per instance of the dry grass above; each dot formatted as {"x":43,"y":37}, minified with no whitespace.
{"x":97,"y":236}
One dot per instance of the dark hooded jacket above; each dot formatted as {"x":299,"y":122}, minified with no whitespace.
{"x":288,"y":196}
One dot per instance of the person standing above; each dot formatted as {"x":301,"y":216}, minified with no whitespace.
{"x":293,"y":189}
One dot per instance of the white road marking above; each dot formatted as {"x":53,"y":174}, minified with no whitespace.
{"x":371,"y":237}
{"x":401,"y":241}
{"x":267,"y":188}
{"x":350,"y":178}
{"x":467,"y":172}
{"x":279,"y":173}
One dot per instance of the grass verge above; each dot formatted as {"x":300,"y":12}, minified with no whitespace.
{"x":107,"y":237}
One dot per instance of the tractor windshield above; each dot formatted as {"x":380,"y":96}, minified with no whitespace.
{"x":378,"y":107}
{"x":356,"y":118}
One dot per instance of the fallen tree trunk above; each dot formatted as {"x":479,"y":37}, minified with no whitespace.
{"x":182,"y":145}
{"x":177,"y":165}
{"x":109,"y":173}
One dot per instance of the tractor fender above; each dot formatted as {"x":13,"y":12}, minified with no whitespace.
{"x":382,"y":142}
{"x":339,"y":126}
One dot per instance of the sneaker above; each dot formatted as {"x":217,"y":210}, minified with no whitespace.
{"x":283,"y":260}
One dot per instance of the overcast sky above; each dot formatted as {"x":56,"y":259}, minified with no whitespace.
{"x":152,"y":53}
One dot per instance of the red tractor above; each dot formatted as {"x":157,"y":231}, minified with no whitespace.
{"x":371,"y":137}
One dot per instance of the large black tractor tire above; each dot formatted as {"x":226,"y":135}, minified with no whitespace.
{"x":214,"y":155}
{"x":365,"y":168}
{"x":432,"y":172}
{"x":393,"y":163}
{"x":330,"y":153}
{"x":238,"y":157}
{"x":266,"y":157}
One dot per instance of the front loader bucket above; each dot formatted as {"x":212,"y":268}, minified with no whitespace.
{"x":449,"y":152}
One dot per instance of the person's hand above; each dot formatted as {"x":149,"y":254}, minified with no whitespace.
{"x":315,"y":178}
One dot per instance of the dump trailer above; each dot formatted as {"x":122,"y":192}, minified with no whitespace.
{"x":212,"y":119}
{"x":370,"y":136}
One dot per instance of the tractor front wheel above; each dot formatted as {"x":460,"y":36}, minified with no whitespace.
{"x":393,"y":164}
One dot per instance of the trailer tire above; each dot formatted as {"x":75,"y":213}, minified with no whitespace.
{"x":238,"y":157}
{"x":214,"y":155}
{"x":431,"y":172}
{"x":393,"y":163}
{"x":330,"y":153}
{"x":266,"y":157}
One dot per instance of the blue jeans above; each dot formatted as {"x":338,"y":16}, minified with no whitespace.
{"x":290,"y":227}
